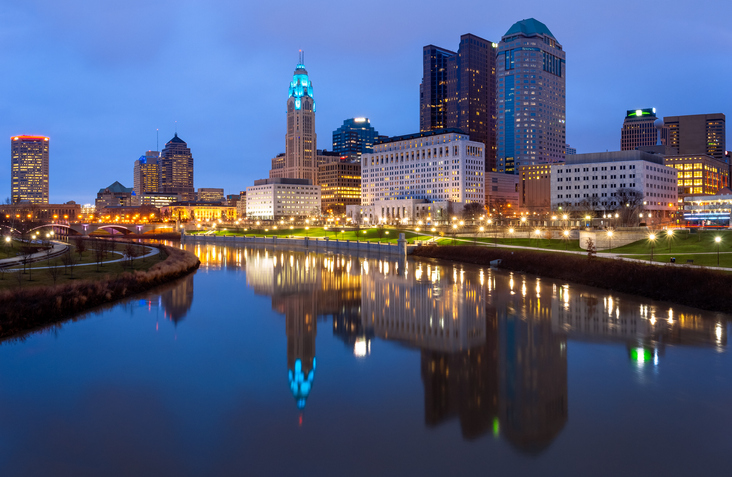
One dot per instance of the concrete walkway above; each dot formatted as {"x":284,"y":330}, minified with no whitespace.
{"x":57,"y":249}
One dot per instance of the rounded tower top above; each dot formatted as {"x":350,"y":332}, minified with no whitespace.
{"x":300,"y":86}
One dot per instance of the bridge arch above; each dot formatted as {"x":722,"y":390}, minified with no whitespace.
{"x":112,"y":228}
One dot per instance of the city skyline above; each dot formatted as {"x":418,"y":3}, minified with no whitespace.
{"x":110,"y":81}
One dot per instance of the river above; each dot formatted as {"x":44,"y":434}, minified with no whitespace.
{"x":277,"y":362}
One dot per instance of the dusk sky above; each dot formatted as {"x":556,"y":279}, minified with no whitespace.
{"x":99,"y":77}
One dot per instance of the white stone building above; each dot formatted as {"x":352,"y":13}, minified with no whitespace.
{"x":414,"y":176}
{"x":270,"y":199}
{"x":596,"y":178}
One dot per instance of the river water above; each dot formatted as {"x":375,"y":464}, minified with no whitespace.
{"x":277,"y":362}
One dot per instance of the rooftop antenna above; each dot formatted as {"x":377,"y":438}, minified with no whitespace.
{"x":176,"y":128}
{"x":157,"y":139}
{"x":301,"y":57}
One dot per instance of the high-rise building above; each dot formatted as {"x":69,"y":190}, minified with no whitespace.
{"x":569,"y":150}
{"x":639,"y":129}
{"x":698,"y":134}
{"x":176,"y":169}
{"x":458,"y":91}
{"x":340,"y":184}
{"x":531,"y":91}
{"x":300,"y":160}
{"x":210,"y":194}
{"x":355,"y":137}
{"x":29,"y":169}
{"x":146,"y":175}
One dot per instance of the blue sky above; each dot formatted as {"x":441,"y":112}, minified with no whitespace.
{"x":99,"y":77}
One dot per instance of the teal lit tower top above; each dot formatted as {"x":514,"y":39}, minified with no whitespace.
{"x":300,"y":86}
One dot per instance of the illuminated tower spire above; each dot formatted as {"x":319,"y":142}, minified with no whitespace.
{"x":300,"y":140}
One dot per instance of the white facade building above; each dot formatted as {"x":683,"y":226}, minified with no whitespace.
{"x":597,"y":177}
{"x":406,"y":174}
{"x":269,"y":199}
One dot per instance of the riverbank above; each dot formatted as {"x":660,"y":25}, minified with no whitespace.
{"x":696,"y":287}
{"x":25,"y":309}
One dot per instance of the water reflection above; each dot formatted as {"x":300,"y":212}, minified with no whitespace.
{"x":493,"y":345}
{"x":174,"y":299}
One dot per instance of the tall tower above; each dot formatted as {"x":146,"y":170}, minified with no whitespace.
{"x":146,"y":174}
{"x":355,"y":137}
{"x":176,"y":169}
{"x":29,"y":169}
{"x":301,"y":141}
{"x":458,"y":90}
{"x":639,"y":129}
{"x":531,"y":104}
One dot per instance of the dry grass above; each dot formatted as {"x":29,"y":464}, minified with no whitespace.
{"x":24,"y":309}
{"x":700,"y":288}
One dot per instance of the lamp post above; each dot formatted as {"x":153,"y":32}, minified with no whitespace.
{"x":566,"y":238}
{"x":510,"y":232}
{"x":669,"y":236}
{"x":610,"y":237}
{"x":718,"y":239}
{"x":652,"y":239}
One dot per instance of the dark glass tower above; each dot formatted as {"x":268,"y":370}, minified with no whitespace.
{"x":355,"y":137}
{"x":176,"y":169}
{"x":458,"y":91}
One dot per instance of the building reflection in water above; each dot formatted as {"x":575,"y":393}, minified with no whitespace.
{"x":173,"y":299}
{"x":493,"y":345}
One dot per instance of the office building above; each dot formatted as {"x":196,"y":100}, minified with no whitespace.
{"x":29,"y":169}
{"x":502,"y":193}
{"x":569,"y":150}
{"x":270,"y":199}
{"x":146,"y":174}
{"x":30,"y":212}
{"x":698,"y":134}
{"x":300,"y":160}
{"x":427,"y":176}
{"x":241,"y":205}
{"x":639,"y":129}
{"x":608,"y":181}
{"x":530,"y":97}
{"x":156,"y":199}
{"x":176,"y":169}
{"x":115,"y":195}
{"x":210,"y":195}
{"x":355,"y":137}
{"x":193,"y":210}
{"x":340,"y":185}
{"x":535,"y":189}
{"x":458,"y":91}
{"x":699,"y":174}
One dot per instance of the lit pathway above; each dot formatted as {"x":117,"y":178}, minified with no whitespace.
{"x":57,"y":249}
{"x":153,"y":251}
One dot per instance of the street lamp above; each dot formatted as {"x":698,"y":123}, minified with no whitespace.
{"x":718,"y":239}
{"x":652,"y":239}
{"x":610,"y":236}
{"x":566,"y":238}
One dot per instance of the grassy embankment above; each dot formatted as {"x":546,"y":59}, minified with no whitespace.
{"x":697,"y":287}
{"x":699,"y":247}
{"x":87,"y":265}
{"x":371,"y":235}
{"x":22,"y":309}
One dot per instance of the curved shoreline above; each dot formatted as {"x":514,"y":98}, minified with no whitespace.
{"x":26,"y":309}
{"x":696,"y":287}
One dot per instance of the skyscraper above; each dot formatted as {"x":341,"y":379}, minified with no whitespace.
{"x":639,"y":129}
{"x":176,"y":169}
{"x":698,"y":134}
{"x":531,"y":102}
{"x":458,"y":91}
{"x":355,"y":137}
{"x":29,"y":169}
{"x":300,"y":140}
{"x":146,"y":174}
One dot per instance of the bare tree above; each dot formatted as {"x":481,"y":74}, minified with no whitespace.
{"x":19,"y":277}
{"x":53,"y":271}
{"x":630,"y":203}
{"x":69,"y":262}
{"x":473,"y":210}
{"x":130,"y":253}
{"x":80,"y":244}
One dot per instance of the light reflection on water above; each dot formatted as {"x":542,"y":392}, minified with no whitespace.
{"x":499,"y":358}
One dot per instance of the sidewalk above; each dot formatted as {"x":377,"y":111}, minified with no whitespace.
{"x":57,"y":249}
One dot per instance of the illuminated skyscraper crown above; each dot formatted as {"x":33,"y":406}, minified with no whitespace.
{"x":301,"y":85}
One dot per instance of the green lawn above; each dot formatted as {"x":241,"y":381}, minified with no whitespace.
{"x":680,"y":242}
{"x":709,"y":260}
{"x":371,"y":235}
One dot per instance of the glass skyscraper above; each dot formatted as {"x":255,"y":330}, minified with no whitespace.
{"x":355,"y":137}
{"x":29,"y":169}
{"x":530,"y":96}
{"x":176,"y":169}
